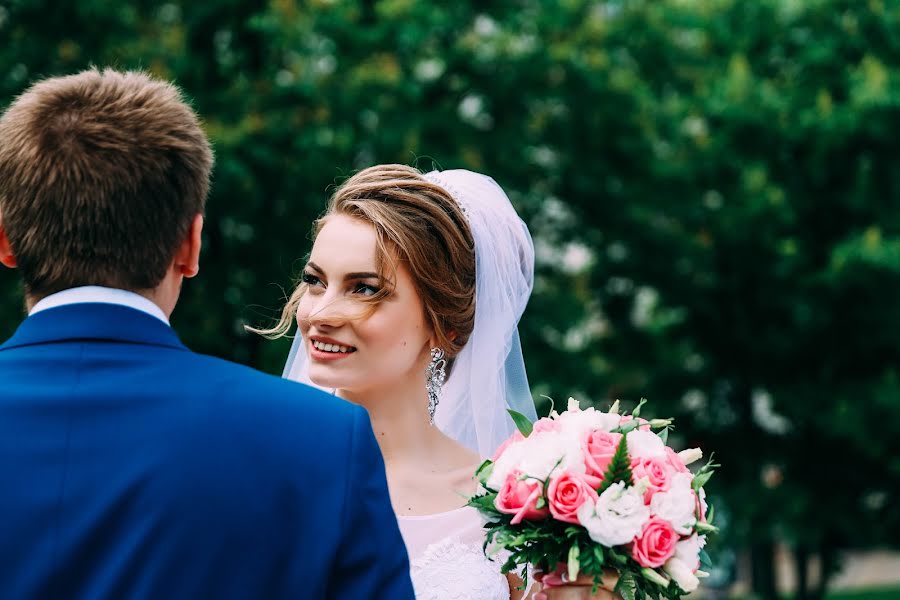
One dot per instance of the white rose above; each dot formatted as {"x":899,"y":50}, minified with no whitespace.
{"x":690,"y":455}
{"x":683,"y":565}
{"x":677,"y":505}
{"x":543,"y":452}
{"x":536,"y":456}
{"x":506,"y":463}
{"x":577,"y":424}
{"x":616,"y":518}
{"x":701,"y":495}
{"x":688,"y":551}
{"x":644,"y":444}
{"x":681,"y":574}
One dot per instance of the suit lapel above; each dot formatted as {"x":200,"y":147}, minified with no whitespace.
{"x":93,"y":321}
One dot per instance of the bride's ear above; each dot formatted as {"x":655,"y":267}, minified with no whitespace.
{"x":433,"y":341}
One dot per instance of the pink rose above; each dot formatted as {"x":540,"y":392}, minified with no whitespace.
{"x":566,"y":493}
{"x":515,"y":437}
{"x":599,"y":447}
{"x":519,"y":498}
{"x":655,"y":544}
{"x":657,"y":470}
{"x":546,"y":424}
{"x":676,"y":461}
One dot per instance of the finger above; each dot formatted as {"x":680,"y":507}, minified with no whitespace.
{"x":553,"y":580}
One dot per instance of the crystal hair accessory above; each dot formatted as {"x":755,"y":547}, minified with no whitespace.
{"x":435,"y":178}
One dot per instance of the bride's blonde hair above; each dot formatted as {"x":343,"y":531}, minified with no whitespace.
{"x":417,"y":223}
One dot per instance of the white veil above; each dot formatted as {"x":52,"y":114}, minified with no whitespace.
{"x":488,"y":376}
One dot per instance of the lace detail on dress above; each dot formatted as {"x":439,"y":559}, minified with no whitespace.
{"x":452,"y":570}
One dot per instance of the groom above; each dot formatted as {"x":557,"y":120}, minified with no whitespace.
{"x":129,"y":466}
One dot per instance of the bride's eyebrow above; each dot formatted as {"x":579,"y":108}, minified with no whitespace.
{"x":349,"y":276}
{"x":364,"y":275}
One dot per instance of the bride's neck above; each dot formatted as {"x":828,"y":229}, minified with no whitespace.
{"x":399,"y":415}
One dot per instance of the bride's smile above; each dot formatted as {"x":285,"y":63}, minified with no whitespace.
{"x":325,"y":348}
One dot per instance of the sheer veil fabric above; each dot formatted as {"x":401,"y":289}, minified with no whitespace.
{"x":488,"y":376}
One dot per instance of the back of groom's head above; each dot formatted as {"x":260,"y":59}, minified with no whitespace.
{"x":101,"y":175}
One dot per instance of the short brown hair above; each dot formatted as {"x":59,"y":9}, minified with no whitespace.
{"x":101,"y":174}
{"x":427,"y":231}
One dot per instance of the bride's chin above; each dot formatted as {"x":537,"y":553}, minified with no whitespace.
{"x":326,"y":380}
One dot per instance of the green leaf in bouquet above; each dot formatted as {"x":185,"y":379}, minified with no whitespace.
{"x":637,"y":409}
{"x":618,"y":558}
{"x":541,"y":503}
{"x":627,"y":585}
{"x":700,"y":480}
{"x":509,"y":565}
{"x":664,"y":436}
{"x":524,"y":426}
{"x":705,"y":560}
{"x":573,"y":566}
{"x":619,"y":468}
{"x":626,"y":427}
{"x":552,"y":404}
{"x":483,"y":472}
{"x":523,"y":575}
{"x":711,"y":515}
{"x":598,"y":554}
{"x":655,"y":577}
{"x":546,"y":485}
{"x":484,"y":503}
{"x":706,"y":471}
{"x":705,"y":528}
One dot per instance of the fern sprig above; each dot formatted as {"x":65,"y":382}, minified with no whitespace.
{"x":619,"y":468}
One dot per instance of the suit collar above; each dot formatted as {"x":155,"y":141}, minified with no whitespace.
{"x":93,"y":321}
{"x":104,"y":295}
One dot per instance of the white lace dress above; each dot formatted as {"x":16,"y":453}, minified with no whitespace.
{"x":446,"y":557}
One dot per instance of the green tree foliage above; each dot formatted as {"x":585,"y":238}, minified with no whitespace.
{"x":714,"y":188}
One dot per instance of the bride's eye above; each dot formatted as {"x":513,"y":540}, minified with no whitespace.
{"x":310,"y":279}
{"x":365,"y":289}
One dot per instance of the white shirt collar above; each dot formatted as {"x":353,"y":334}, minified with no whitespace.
{"x":103,"y":295}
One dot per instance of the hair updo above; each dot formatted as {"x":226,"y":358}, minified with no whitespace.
{"x":419,"y":224}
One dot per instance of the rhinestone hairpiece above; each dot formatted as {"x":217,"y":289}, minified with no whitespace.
{"x":449,"y":187}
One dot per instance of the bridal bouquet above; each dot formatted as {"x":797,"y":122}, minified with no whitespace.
{"x":587,"y":490}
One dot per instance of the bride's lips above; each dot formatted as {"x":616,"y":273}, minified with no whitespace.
{"x":326,"y":348}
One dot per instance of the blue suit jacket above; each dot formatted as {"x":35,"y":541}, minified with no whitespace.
{"x":132,"y":468}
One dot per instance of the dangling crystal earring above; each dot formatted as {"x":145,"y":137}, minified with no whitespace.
{"x":435,"y":375}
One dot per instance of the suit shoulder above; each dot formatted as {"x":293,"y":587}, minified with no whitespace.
{"x":242,"y":384}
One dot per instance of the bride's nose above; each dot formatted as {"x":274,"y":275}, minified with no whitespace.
{"x":329,"y":311}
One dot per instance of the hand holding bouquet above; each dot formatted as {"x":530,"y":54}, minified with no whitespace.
{"x":596,"y":490}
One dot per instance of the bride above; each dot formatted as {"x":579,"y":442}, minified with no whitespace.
{"x":409,"y":306}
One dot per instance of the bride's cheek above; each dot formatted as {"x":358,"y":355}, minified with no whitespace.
{"x":302,"y":314}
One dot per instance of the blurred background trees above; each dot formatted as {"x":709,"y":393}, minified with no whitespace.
{"x":714,"y":190}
